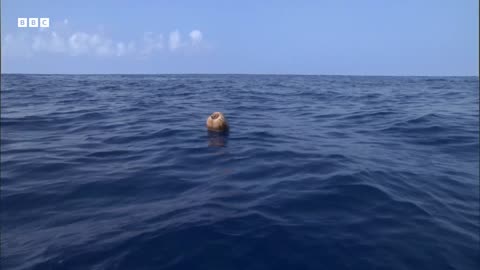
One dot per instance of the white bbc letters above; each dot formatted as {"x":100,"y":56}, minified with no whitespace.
{"x":33,"y":22}
{"x":44,"y":22}
{"x":22,"y":22}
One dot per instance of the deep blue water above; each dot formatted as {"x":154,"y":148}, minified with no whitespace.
{"x":317,"y":172}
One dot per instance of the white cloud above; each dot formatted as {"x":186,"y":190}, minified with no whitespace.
{"x":196,"y":37}
{"x":83,"y":43}
{"x":38,"y":44}
{"x":174,"y":41}
{"x":65,"y":41}
{"x":105,"y":48}
{"x":79,"y":43}
{"x":57,"y":43}
{"x":50,"y":43}
{"x":121,"y":49}
{"x":151,"y":43}
{"x":131,"y":47}
{"x":17,"y":45}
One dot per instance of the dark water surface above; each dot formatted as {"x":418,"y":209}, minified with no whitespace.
{"x":317,"y":172}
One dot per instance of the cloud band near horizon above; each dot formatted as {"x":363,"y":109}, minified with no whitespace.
{"x":78,"y":43}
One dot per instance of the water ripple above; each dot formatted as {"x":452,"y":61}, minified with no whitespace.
{"x":317,"y":172}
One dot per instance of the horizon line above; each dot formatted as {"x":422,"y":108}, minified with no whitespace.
{"x":259,"y":74}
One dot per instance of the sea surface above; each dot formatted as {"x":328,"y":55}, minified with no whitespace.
{"x":317,"y":172}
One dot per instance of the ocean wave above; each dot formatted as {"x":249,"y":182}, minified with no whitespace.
{"x":317,"y":172}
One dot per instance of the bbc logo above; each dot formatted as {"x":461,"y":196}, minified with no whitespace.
{"x":33,"y":22}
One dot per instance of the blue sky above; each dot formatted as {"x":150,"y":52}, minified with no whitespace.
{"x":346,"y":37}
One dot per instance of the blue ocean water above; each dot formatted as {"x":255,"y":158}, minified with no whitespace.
{"x":317,"y":172}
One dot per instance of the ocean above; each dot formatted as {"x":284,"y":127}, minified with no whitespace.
{"x":316,"y":172}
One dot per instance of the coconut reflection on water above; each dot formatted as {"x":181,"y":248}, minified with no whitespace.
{"x":217,"y":139}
